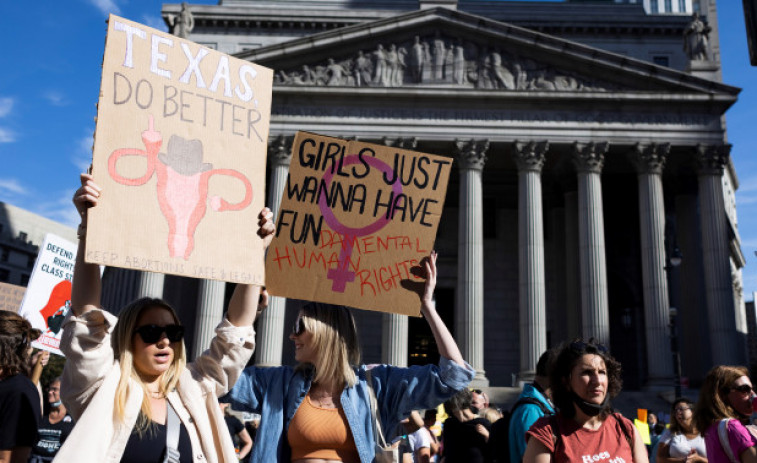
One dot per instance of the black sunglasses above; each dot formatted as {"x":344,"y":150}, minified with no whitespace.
{"x":299,"y":327}
{"x":153,"y":333}
{"x":580,"y":346}
{"x":744,"y":388}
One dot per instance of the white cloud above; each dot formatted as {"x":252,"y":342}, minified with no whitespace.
{"x":11,"y":185}
{"x":56,"y":99}
{"x":745,"y":200}
{"x":61,"y":209}
{"x":156,"y":22}
{"x":106,"y":6}
{"x":6,"y":135}
{"x":747,"y":185}
{"x":6,"y":104}
{"x":82,"y":156}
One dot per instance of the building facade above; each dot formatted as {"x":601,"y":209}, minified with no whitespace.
{"x":590,"y":157}
{"x":21,"y":234}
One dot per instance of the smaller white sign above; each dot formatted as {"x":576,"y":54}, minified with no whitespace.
{"x":48,"y":295}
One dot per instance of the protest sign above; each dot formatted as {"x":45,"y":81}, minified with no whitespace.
{"x":48,"y":296}
{"x":354,"y":221}
{"x":180,"y":153}
{"x":11,"y":297}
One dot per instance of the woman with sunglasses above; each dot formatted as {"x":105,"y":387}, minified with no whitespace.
{"x":682,"y":442}
{"x":722,"y":411}
{"x":584,"y":378}
{"x":320,"y":411}
{"x":126,"y":380}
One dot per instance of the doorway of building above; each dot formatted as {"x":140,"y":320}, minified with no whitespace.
{"x":421,"y":347}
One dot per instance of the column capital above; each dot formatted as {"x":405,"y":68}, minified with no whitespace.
{"x":409,"y":143}
{"x":471,"y":154}
{"x":530,"y":156}
{"x":650,"y":158}
{"x":590,"y":157}
{"x":280,"y":150}
{"x":711,"y":159}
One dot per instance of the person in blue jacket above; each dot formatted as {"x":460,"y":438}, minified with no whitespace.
{"x":320,"y":409}
{"x":533,"y":403}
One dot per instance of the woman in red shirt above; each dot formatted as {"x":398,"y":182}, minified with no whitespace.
{"x":584,"y":379}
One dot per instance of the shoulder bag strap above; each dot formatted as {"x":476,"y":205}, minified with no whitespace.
{"x":629,"y":437}
{"x":378,"y":434}
{"x":724,"y":442}
{"x":173,"y":426}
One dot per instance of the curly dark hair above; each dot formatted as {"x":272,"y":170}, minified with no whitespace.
{"x":567,"y":358}
{"x":16,"y":336}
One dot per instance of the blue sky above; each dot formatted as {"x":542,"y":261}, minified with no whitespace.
{"x":51,"y":77}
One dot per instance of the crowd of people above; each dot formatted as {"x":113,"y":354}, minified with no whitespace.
{"x":128,"y":393}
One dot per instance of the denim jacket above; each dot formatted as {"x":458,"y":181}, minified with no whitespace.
{"x":276,"y":393}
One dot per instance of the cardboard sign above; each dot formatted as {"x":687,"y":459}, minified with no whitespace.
{"x":11,"y":297}
{"x":180,"y":153}
{"x":354,"y":221}
{"x":48,"y":296}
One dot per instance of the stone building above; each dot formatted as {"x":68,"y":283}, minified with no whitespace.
{"x":590,"y":157}
{"x":21,"y":234}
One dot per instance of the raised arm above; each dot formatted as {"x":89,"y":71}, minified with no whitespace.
{"x":444,"y":340}
{"x":86,"y":286}
{"x":243,"y":306}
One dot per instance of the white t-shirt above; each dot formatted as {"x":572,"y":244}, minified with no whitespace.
{"x":418,"y":440}
{"x":680,"y":446}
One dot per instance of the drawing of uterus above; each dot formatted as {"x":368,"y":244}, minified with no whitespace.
{"x":182,"y":185}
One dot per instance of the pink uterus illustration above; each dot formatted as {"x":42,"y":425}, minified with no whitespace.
{"x":182,"y":185}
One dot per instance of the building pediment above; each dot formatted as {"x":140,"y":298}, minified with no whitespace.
{"x":442,"y":48}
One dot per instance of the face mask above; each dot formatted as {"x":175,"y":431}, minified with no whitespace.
{"x":586,"y":407}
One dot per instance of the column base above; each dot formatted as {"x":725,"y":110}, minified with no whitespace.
{"x":480,"y":380}
{"x":525,"y":377}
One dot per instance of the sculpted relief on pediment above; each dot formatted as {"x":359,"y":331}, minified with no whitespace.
{"x":438,"y":60}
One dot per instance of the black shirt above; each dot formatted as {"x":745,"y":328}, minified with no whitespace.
{"x":463,"y":443}
{"x":20,"y":413}
{"x":52,"y":436}
{"x":151,"y":445}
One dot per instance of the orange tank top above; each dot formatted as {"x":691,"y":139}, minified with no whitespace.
{"x":316,"y":432}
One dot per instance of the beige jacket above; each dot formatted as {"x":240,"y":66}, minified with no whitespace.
{"x":91,"y":376}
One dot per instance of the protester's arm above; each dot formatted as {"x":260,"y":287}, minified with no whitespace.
{"x":246,"y":440}
{"x":423,"y":455}
{"x":640,"y":454}
{"x":537,"y":452}
{"x":749,"y":455}
{"x":444,"y":340}
{"x":86,"y":286}
{"x":243,"y":305}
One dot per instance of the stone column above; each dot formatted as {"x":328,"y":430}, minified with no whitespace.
{"x":394,"y":339}
{"x":270,"y":337}
{"x":469,"y":310}
{"x":724,"y":338}
{"x":209,"y":314}
{"x":529,"y":157}
{"x":588,"y":159}
{"x":151,"y":285}
{"x":650,"y":161}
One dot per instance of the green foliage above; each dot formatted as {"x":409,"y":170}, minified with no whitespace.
{"x":52,"y":370}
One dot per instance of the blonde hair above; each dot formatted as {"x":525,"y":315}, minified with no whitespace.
{"x":491,"y":414}
{"x":334,"y":341}
{"x":713,"y":402}
{"x":122,"y":342}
